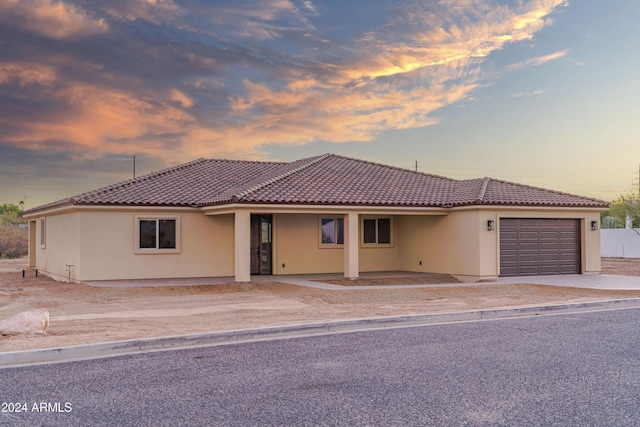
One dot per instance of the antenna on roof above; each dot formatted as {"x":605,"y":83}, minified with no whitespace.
{"x":134,"y":167}
{"x":416,"y":166}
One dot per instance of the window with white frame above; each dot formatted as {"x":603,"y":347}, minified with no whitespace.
{"x":158,"y":235}
{"x":376,"y":231}
{"x":43,"y":232}
{"x":332,"y":230}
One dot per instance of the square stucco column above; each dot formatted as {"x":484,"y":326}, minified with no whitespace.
{"x":351,"y":246}
{"x":242,"y":246}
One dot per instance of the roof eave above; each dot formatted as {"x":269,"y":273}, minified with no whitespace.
{"x":55,"y":206}
{"x":529,"y":205}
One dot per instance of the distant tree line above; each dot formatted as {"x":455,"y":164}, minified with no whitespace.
{"x":625,"y":205}
{"x":13,"y":232}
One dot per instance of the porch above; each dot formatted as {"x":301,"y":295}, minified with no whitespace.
{"x":345,"y":243}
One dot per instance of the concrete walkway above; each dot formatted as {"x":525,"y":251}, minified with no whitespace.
{"x":592,"y":281}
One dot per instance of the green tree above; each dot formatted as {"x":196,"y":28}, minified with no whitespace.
{"x":13,"y":231}
{"x":624,"y":205}
{"x":11,"y":214}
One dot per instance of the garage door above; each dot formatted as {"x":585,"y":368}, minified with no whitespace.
{"x":531,"y":247}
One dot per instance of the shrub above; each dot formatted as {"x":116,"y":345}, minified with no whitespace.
{"x":13,"y":241}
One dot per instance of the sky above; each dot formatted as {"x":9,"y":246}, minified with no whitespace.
{"x":540,"y":92}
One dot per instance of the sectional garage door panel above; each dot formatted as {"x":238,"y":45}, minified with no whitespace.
{"x":530,"y":247}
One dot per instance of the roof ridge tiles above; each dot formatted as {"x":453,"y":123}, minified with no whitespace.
{"x":398,"y":168}
{"x":236,"y":193}
{"x":483,"y":189}
{"x":312,"y":161}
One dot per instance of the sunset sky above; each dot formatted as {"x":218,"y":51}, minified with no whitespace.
{"x":541,"y":92}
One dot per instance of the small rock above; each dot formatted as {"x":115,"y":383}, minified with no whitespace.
{"x":27,"y":322}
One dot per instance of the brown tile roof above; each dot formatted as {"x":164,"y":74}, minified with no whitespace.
{"x":489,"y":191}
{"x":183,"y":185}
{"x":509,"y":193}
{"x":337,"y":180}
{"x":322,"y":180}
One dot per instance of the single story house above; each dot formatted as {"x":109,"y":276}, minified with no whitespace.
{"x":324,"y":214}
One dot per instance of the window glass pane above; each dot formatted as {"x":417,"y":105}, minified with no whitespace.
{"x":370,"y":231}
{"x":340,"y":230}
{"x":167,"y":234}
{"x":328,"y":230}
{"x":384,"y":230}
{"x":147,"y":234}
{"x":266,"y":230}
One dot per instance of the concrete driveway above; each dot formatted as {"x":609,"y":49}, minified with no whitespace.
{"x":585,"y":281}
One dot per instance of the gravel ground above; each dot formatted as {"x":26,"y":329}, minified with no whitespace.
{"x":621,"y":266}
{"x":82,"y":314}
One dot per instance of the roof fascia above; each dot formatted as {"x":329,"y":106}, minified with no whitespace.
{"x":322,"y":209}
{"x":527,"y":208}
{"x":108,"y":208}
{"x":55,"y":206}
{"x":53,"y":210}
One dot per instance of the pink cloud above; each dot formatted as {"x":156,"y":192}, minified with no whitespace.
{"x":54,"y":19}
{"x":392,"y":78}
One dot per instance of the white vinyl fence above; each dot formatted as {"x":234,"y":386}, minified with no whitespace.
{"x":620,"y":242}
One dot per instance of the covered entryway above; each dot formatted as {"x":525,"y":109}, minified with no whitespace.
{"x":530,"y":246}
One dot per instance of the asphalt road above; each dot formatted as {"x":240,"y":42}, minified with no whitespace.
{"x":565,"y":370}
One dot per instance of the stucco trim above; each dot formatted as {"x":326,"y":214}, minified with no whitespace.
{"x":323,"y":209}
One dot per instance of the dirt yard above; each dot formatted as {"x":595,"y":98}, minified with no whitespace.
{"x":622,"y":266}
{"x":82,"y":314}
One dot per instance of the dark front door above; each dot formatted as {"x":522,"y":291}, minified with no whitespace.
{"x":261,"y":232}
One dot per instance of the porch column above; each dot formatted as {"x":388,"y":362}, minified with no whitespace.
{"x":351,"y":245}
{"x":242,"y":246}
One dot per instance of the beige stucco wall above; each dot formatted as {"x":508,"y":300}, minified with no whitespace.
{"x":101,"y":245}
{"x":443,"y":244}
{"x":379,"y":257}
{"x":62,"y":240}
{"x":460,"y":243}
{"x":297,"y":245}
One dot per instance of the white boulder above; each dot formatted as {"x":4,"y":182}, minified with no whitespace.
{"x":27,"y":322}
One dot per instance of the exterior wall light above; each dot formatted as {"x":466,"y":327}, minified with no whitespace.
{"x":594,"y":225}
{"x":491,"y":225}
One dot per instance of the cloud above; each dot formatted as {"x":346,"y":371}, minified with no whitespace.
{"x":54,"y":19}
{"x":308,"y":4}
{"x":178,"y":81}
{"x":533,"y":93}
{"x":536,"y":62}
{"x":398,"y":75}
{"x":336,"y":114}
{"x":26,"y":74}
{"x":89,"y":118}
{"x":181,"y":98}
{"x":259,"y":20}
{"x":154,"y":11}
